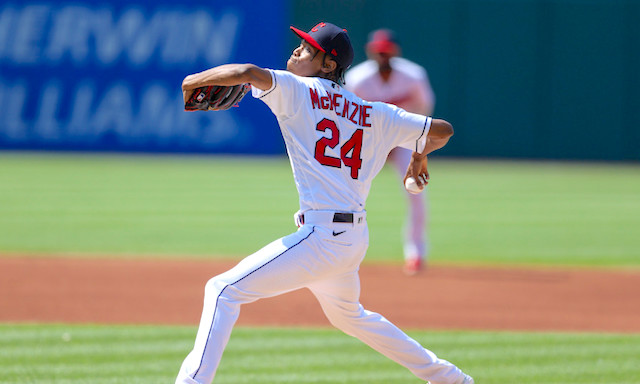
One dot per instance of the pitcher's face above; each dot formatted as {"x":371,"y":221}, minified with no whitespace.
{"x":305,"y":60}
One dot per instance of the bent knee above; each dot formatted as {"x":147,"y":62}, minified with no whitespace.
{"x":215,"y":286}
{"x":228,"y":291}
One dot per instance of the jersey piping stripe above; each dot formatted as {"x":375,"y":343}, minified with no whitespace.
{"x":423,"y":129}
{"x":236,"y":282}
{"x":275,"y":84}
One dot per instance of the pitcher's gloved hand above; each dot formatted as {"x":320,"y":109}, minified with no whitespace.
{"x":216,"y":97}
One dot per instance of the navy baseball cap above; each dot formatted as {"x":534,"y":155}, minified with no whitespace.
{"x":330,"y":39}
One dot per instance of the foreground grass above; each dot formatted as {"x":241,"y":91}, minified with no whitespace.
{"x":481,"y":211}
{"x":57,"y":354}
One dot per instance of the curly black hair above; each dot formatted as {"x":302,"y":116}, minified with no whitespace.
{"x":338,"y":74}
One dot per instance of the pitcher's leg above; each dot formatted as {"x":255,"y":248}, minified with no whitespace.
{"x":219,"y":314}
{"x":339,"y":299}
{"x":275,"y":269}
{"x":415,"y":246}
{"x":415,"y":242}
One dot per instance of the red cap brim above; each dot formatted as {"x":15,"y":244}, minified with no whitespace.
{"x":306,"y":37}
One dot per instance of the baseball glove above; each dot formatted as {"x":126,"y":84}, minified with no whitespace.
{"x":216,"y":97}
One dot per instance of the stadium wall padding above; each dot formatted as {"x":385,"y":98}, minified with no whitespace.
{"x":552,"y":79}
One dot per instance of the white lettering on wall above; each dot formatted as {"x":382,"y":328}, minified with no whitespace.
{"x":28,"y":33}
{"x":155,"y":118}
{"x":14,"y":98}
{"x":46,"y":125}
{"x":43,"y":34}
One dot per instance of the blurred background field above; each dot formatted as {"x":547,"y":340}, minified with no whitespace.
{"x":228,"y":207}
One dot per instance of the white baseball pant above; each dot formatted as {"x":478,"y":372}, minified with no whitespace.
{"x":323,"y":256}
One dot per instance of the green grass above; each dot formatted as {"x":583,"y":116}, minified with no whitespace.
{"x":544,"y":213}
{"x":481,"y":211}
{"x":65,"y":354}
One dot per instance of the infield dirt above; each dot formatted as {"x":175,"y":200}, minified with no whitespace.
{"x":113,"y":291}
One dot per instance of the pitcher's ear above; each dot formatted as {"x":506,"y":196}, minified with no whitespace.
{"x":329,"y":65}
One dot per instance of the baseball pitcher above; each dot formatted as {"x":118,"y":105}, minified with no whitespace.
{"x":336,"y":143}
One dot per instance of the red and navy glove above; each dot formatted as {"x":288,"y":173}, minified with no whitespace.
{"x":216,"y":97}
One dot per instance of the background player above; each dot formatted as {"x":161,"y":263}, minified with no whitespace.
{"x":392,"y":79}
{"x":336,"y":144}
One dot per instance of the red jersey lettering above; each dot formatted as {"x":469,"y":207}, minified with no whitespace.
{"x":364,"y":115}
{"x":324,"y":102}
{"x":315,"y":103}
{"x":334,"y":101}
{"x":354,"y":113}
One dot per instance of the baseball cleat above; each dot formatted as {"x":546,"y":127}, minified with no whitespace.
{"x":412,"y":266}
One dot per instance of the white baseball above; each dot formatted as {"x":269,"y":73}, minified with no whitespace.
{"x":412,"y":186}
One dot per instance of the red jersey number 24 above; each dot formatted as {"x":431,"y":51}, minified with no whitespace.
{"x":353,"y":146}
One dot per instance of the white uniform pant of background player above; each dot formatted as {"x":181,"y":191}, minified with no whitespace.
{"x":416,"y":244}
{"x":323,"y":258}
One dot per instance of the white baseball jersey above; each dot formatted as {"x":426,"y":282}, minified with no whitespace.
{"x":408,"y":86}
{"x":335,"y":163}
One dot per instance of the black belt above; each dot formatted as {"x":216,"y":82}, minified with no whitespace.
{"x":342,"y":217}
{"x":338,"y":217}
